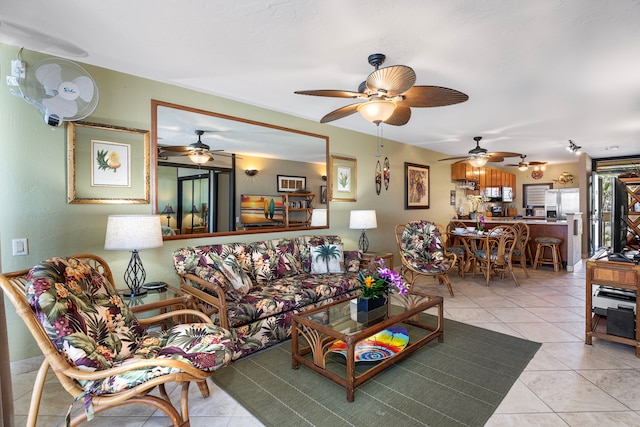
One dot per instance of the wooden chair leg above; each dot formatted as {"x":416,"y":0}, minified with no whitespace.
{"x":536,"y":261}
{"x":444,"y":279}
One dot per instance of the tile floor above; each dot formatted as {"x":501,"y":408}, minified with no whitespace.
{"x":566,"y":384}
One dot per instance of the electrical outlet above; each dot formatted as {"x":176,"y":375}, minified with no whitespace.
{"x":20,"y":246}
{"x":12,"y":81}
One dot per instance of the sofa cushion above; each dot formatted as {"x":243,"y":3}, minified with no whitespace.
{"x":352,"y":261}
{"x":82,"y":313}
{"x":327,"y":259}
{"x":275,"y":259}
{"x":306,"y":241}
{"x":287,"y":294}
{"x":227,"y":265}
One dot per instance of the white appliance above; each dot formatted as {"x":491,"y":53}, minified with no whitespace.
{"x":558,"y":203}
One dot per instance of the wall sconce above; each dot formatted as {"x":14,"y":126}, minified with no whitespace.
{"x":324,"y":177}
{"x":251,"y":172}
{"x":574,"y":148}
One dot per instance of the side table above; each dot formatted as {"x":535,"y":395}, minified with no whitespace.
{"x":369,"y":257}
{"x":160,"y":300}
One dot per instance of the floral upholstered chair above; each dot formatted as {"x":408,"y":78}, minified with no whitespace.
{"x":99,"y":351}
{"x":423,"y":253}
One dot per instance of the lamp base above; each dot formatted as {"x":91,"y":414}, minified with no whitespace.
{"x":134,"y":294}
{"x":363,"y":243}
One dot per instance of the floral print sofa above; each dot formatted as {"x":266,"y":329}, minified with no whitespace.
{"x":253,"y":289}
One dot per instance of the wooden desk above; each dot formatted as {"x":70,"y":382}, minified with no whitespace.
{"x":623,"y":275}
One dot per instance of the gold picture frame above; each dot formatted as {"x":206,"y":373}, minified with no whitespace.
{"x":107,"y":164}
{"x":343,"y":183}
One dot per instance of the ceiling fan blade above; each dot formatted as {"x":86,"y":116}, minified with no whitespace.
{"x":432,"y":96}
{"x":504,"y":154}
{"x":332,"y":93}
{"x":340,"y":113}
{"x":395,"y":80}
{"x":464,"y":158}
{"x":175,"y":149}
{"x":400,"y":116}
{"x":494,"y":159}
{"x":536,"y":163}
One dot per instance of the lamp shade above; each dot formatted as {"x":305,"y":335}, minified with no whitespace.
{"x":168,"y":210}
{"x":199,"y":158}
{"x":363,"y":219}
{"x":133,"y":232}
{"x":319,"y":218}
{"x":376,"y":111}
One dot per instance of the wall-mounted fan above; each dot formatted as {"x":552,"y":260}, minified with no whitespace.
{"x":523,"y":166}
{"x":388,"y":95}
{"x":479,"y":156}
{"x":61,"y":89}
{"x":198,"y":152}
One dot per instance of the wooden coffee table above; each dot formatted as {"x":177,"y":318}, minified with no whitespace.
{"x":324,"y":325}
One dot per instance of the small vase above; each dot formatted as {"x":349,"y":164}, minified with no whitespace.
{"x":370,"y":309}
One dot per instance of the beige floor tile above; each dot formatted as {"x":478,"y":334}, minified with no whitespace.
{"x":624,"y":384}
{"x":521,"y":399}
{"x":568,"y":391}
{"x":526,"y":420}
{"x":601,"y":419}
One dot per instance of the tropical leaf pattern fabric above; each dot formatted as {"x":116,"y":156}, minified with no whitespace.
{"x":422,"y":247}
{"x":263,"y":315}
{"x":88,"y":321}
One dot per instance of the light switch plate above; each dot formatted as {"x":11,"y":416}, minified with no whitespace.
{"x":20,"y":247}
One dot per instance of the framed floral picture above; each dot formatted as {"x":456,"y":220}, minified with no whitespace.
{"x":107,"y":164}
{"x":342,"y":185}
{"x":416,"y":186}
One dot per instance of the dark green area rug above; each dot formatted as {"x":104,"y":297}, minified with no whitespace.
{"x":459,"y":382}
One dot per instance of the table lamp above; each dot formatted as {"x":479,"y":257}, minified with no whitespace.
{"x":168,"y":210}
{"x":133,"y":233}
{"x":363,"y":220}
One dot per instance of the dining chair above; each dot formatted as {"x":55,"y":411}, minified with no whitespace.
{"x":99,"y":351}
{"x":496,"y":253}
{"x":455,"y":244}
{"x":522,"y":251}
{"x":423,"y":253}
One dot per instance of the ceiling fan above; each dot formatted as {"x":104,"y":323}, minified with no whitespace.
{"x":388,"y":94}
{"x":198,"y":152}
{"x":523,"y":166}
{"x":479,"y":156}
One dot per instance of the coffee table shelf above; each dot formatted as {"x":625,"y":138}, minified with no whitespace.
{"x":322,"y":326}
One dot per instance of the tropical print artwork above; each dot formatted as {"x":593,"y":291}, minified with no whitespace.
{"x":421,"y":245}
{"x":89,"y":322}
{"x":344,"y":179}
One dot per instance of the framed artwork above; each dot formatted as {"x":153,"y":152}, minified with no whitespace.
{"x":342,"y":186}
{"x":291,"y":183}
{"x":452,"y":197}
{"x":416,"y":186}
{"x":378,"y":177}
{"x":107,"y":164}
{"x":323,"y":194}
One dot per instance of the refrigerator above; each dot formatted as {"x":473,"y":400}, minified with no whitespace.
{"x":559,"y":202}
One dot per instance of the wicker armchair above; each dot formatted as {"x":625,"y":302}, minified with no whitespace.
{"x":99,"y":351}
{"x":423,"y":253}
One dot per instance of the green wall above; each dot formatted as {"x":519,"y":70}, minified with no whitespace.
{"x":33,"y":190}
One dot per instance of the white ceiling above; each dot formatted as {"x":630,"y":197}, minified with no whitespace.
{"x":537,"y":73}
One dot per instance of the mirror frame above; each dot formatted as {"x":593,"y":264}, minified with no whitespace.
{"x":154,"y":170}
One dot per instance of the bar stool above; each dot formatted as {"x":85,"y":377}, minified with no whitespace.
{"x":552,"y":243}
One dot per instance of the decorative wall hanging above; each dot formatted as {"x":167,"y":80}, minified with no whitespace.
{"x":107,"y":164}
{"x":416,"y":186}
{"x":536,"y":174}
{"x":291,"y":183}
{"x":387,"y":173}
{"x":378,"y":177}
{"x":343,"y":181}
{"x":323,"y":194}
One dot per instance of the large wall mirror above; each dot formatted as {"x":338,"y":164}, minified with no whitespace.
{"x":220,"y":175}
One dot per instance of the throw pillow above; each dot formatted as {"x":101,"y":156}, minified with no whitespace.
{"x":232,"y":270}
{"x":326,"y":259}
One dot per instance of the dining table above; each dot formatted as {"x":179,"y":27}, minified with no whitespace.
{"x":472,"y":240}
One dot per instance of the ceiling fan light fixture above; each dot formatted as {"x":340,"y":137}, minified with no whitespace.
{"x":199,"y":158}
{"x":523,"y":167}
{"x":376,"y":110}
{"x":478,"y":161}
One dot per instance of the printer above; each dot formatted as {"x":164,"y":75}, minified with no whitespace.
{"x":619,"y":306}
